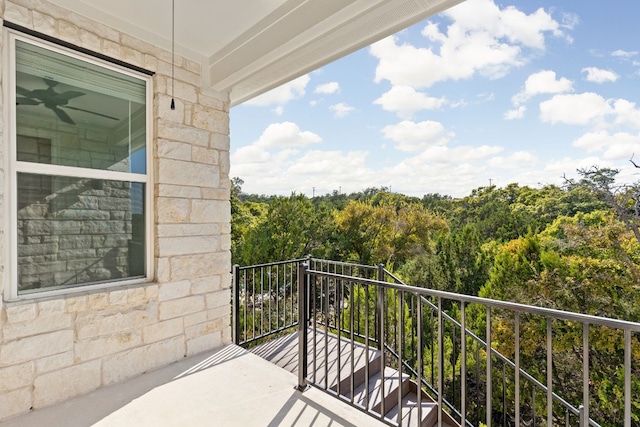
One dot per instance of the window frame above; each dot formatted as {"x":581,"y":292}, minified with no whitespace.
{"x":13,"y":167}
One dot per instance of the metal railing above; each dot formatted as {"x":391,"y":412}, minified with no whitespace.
{"x":421,"y":334}
{"x":458,"y":407}
{"x":264,"y":300}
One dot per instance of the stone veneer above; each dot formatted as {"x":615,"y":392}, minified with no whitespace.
{"x":55,"y":348}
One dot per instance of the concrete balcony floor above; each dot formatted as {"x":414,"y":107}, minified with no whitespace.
{"x":230,"y":387}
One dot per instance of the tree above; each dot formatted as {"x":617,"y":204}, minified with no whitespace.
{"x":390,"y":232}
{"x":624,"y":199}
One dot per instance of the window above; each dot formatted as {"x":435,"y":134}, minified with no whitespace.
{"x":79,"y":182}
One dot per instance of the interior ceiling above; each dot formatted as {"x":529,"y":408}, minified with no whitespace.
{"x":247,"y":47}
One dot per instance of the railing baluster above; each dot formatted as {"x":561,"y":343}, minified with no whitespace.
{"x":381,"y":297}
{"x":326,"y":334}
{"x":489,"y":378}
{"x":549,"y":373}
{"x":270,"y":308}
{"x":380,"y":313}
{"x":627,"y":378}
{"x":453,"y":365}
{"x":440,"y":359}
{"x":419,"y":357}
{"x":463,"y":366}
{"x":533,"y":405}
{"x":477,"y":383}
{"x":302,"y":328}
{"x":366,"y":346}
{"x":584,"y":417}
{"x":432,"y":332}
{"x":517,"y":368}
{"x":338,"y":322}
{"x":236,"y":304}
{"x":314,"y":295}
{"x":400,"y":340}
{"x":261,"y":301}
{"x":352,"y":338}
{"x":504,"y":395}
{"x":278,"y":286}
{"x":253,"y":301}
{"x":246,"y":303}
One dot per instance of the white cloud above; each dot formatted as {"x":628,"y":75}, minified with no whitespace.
{"x":328,"y":88}
{"x":281,"y":95}
{"x":623,"y":53}
{"x":509,"y":23}
{"x":569,"y":21}
{"x":590,"y":109}
{"x":411,"y":136}
{"x":627,"y":113}
{"x":405,"y":101}
{"x":341,"y":110}
{"x":598,"y":75}
{"x":575,"y":109}
{"x":542,"y":82}
{"x":482,"y":39}
{"x":517,"y":113}
{"x":617,"y":146}
{"x":286,"y":134}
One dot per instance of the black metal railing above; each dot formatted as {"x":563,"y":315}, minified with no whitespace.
{"x":441,"y":340}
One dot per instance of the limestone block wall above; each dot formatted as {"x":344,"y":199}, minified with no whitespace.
{"x":55,"y":348}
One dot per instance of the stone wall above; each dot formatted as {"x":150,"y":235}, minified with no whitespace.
{"x":55,"y":348}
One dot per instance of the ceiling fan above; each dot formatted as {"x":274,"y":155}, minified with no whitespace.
{"x":54,"y":100}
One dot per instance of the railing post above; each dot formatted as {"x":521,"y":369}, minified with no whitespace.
{"x":309,"y":265}
{"x":236,"y":304}
{"x":380,"y":308}
{"x":582,"y":416}
{"x":303,"y":282}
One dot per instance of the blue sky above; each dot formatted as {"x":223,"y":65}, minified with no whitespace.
{"x":523,"y":91}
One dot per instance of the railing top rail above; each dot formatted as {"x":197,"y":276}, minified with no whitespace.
{"x":270,"y":264}
{"x":350,"y":264}
{"x":512,"y":306}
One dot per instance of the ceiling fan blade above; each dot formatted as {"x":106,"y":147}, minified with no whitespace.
{"x":27,"y":101}
{"x":90,"y":112}
{"x":63,"y":116}
{"x":61,"y":98}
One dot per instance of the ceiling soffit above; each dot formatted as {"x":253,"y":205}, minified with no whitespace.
{"x":247,"y":47}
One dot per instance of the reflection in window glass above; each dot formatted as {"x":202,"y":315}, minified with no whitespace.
{"x":95,"y":117}
{"x":75,"y":231}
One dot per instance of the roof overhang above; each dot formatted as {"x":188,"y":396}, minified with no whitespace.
{"x":247,"y":47}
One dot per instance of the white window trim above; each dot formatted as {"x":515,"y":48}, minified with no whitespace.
{"x":12,"y":167}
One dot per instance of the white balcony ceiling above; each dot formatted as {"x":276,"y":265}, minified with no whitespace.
{"x":247,"y":47}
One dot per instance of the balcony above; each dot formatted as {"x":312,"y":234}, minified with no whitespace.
{"x":335,"y":344}
{"x":440,"y":359}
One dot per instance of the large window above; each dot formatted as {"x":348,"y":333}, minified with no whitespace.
{"x":79,"y":179}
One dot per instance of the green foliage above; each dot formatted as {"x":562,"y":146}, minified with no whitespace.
{"x":389,"y":229}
